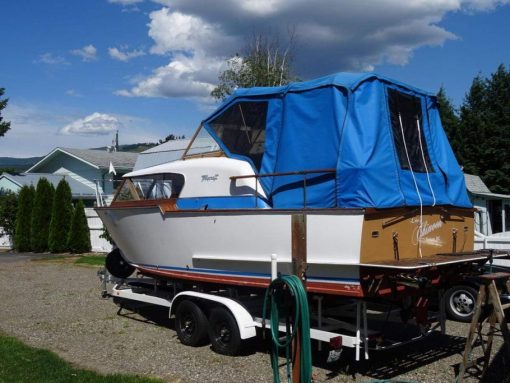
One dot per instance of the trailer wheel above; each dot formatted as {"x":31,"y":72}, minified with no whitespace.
{"x":190,"y":324}
{"x":460,"y":303}
{"x":117,"y":265}
{"x":224,"y":332}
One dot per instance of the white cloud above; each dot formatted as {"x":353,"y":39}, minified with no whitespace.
{"x":184,"y":76}
{"x":50,"y":59}
{"x":32,"y":122}
{"x":93,"y":124}
{"x":123,"y":54}
{"x":330,"y":36}
{"x":87,"y":53}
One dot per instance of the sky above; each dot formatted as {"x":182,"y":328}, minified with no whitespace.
{"x":76,"y":71}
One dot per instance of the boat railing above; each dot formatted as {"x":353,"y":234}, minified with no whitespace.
{"x":303,"y":173}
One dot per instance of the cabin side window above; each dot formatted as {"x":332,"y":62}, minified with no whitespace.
{"x":151,"y":187}
{"x":406,"y":121}
{"x":242,"y":129}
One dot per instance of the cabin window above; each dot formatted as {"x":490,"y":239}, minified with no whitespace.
{"x":407,"y":126}
{"x":151,"y":187}
{"x":242,"y":129}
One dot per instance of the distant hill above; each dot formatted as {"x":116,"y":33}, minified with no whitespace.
{"x":17,"y":164}
{"x":134,"y":148}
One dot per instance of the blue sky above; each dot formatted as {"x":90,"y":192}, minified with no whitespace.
{"x":76,"y":71}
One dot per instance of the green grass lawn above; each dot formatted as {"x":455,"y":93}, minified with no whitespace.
{"x":93,"y":260}
{"x":20,"y":363}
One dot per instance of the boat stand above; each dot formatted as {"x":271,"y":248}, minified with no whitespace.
{"x":488,"y":297}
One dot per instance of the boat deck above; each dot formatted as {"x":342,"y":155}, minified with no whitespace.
{"x":439,"y":259}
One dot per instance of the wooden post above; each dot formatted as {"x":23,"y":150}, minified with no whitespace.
{"x":298,"y":269}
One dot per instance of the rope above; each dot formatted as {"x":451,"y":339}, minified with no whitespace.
{"x":425,"y":163}
{"x":415,"y":185}
{"x":277,"y":296}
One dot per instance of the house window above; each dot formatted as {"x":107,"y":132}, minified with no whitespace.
{"x":406,"y":123}
{"x":242,"y":129}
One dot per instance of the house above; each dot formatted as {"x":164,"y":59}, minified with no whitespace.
{"x":14,"y":182}
{"x":492,"y":214}
{"x":83,"y":169}
{"x":88,"y":166}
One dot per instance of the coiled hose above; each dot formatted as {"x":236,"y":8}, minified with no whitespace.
{"x":277,"y":296}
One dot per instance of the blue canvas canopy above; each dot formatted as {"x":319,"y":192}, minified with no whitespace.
{"x":382,"y":139}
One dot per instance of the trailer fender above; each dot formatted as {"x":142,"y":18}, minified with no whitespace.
{"x":243,"y":318}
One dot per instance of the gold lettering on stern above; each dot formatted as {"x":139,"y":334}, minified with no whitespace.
{"x":423,"y":235}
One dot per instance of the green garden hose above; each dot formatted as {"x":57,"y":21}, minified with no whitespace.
{"x":277,"y":296}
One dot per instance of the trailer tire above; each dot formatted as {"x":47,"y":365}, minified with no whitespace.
{"x":191,"y":324}
{"x":460,"y":303}
{"x":117,"y":265}
{"x":224,"y":332}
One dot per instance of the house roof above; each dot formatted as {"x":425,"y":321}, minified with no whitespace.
{"x":78,"y":189}
{"x":166,"y":152}
{"x":99,"y":159}
{"x":476,"y":186}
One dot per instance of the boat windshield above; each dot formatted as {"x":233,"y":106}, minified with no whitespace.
{"x":202,"y":144}
{"x":151,"y":187}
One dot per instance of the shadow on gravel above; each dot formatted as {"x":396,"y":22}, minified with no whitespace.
{"x":157,"y":315}
{"x":391,"y":363}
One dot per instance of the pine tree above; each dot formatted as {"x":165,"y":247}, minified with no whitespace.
{"x":23,"y":219}
{"x":61,"y":215}
{"x":450,"y":121}
{"x":79,"y":235}
{"x":41,"y":215}
{"x":485,"y":130}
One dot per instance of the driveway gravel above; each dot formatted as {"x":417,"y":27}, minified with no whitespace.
{"x":57,"y":305}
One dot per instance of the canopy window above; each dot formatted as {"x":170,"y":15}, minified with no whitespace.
{"x":407,"y":126}
{"x":242,"y":129}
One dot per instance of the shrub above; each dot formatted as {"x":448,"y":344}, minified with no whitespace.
{"x":23,"y":219}
{"x":61,"y":215}
{"x":41,"y":215}
{"x":79,"y":235}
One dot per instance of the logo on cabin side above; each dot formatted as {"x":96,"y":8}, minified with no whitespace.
{"x":207,"y":178}
{"x":420,"y":235}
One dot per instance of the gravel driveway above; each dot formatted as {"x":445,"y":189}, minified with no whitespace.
{"x":57,"y":306}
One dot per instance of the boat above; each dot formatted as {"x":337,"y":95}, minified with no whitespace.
{"x":347,"y":180}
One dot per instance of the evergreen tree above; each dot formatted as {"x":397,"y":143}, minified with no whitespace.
{"x":8,"y":207}
{"x":485,"y":130}
{"x":41,"y":215}
{"x":23,"y":219}
{"x":61,"y":215}
{"x":79,"y":235}
{"x":451,"y":122}
{"x":4,"y":125}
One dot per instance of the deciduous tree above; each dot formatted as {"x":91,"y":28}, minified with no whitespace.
{"x":265,"y":63}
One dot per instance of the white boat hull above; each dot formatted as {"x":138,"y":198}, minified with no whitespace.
{"x":236,"y":247}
